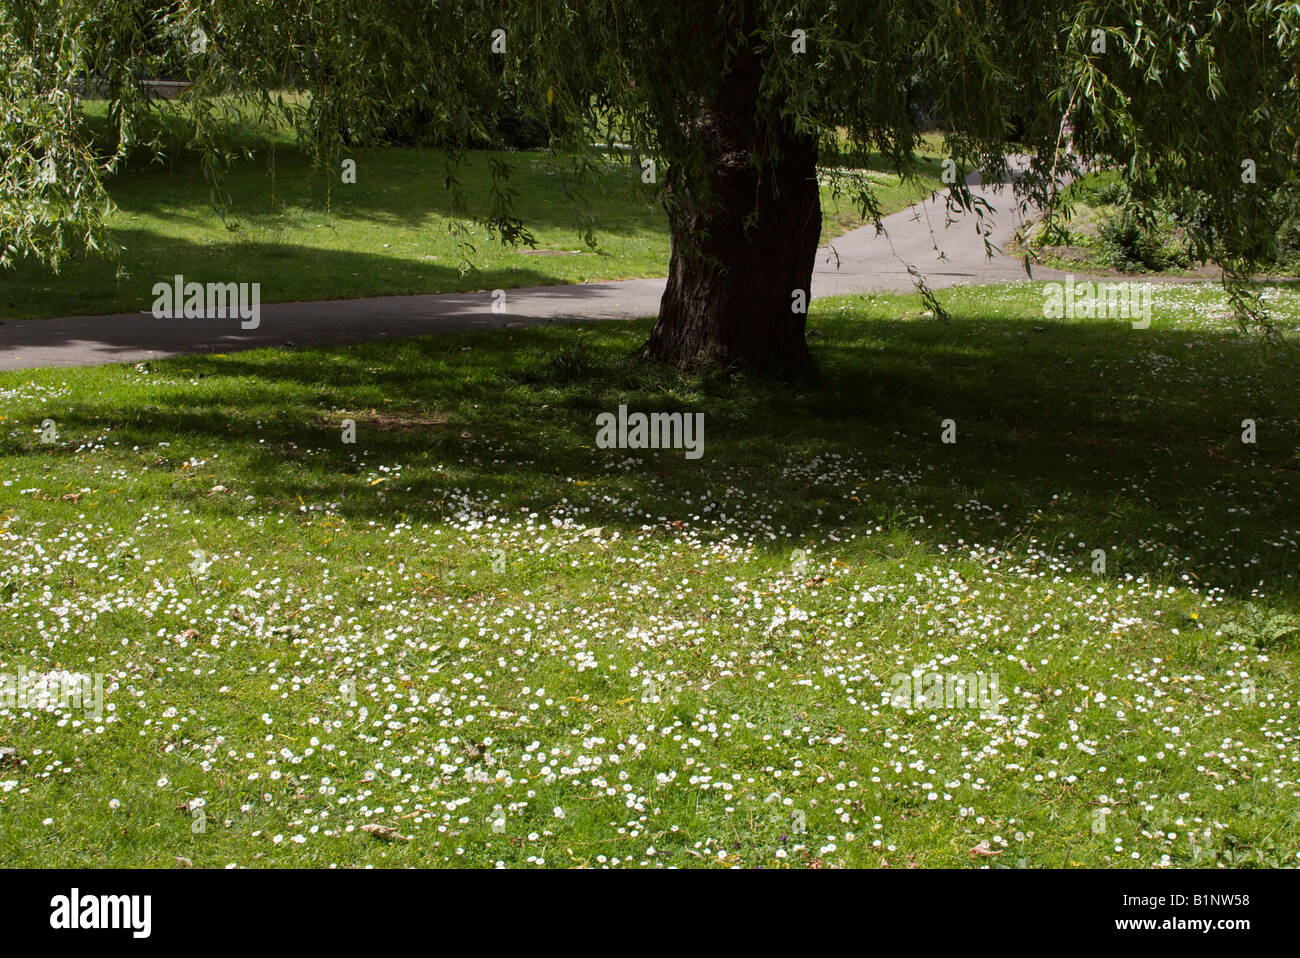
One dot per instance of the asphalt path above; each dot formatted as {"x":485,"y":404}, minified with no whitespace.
{"x":946,"y":249}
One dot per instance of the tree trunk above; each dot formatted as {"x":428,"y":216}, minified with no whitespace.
{"x":743,"y":246}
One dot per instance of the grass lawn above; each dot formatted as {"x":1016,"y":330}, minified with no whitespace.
{"x":305,"y":236}
{"x":477,"y":629}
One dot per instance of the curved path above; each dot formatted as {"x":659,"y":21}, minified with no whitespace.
{"x":858,"y":261}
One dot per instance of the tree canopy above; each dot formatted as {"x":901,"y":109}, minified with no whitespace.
{"x":730,"y":100}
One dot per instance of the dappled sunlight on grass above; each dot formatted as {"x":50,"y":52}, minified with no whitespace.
{"x":476,"y":627}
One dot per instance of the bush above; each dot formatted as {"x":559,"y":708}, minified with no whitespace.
{"x":1288,"y":235}
{"x":1112,"y":192}
{"x":1127,"y":244}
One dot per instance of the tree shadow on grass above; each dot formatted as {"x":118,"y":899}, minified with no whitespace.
{"x":1070,"y":437}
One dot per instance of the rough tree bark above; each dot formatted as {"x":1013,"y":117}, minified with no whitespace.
{"x":743,"y":246}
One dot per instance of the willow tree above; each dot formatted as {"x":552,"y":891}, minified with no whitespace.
{"x":724,"y":105}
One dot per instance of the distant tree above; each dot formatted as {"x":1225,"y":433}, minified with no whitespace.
{"x":732,"y":101}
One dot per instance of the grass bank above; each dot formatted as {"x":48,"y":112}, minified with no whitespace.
{"x":305,"y":234}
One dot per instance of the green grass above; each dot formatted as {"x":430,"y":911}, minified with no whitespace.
{"x":650,"y":656}
{"x":307,"y":236}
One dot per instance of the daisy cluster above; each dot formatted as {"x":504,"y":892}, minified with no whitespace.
{"x":643,"y":690}
{"x":423,"y":659}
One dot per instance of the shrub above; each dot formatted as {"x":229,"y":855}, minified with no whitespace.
{"x":1288,"y":235}
{"x":1112,"y":192}
{"x":1127,"y":244}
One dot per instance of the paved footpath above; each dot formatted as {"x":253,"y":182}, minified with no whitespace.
{"x":858,"y":261}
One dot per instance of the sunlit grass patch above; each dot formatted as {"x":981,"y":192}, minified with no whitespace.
{"x":474,"y":627}
{"x":304,"y":234}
